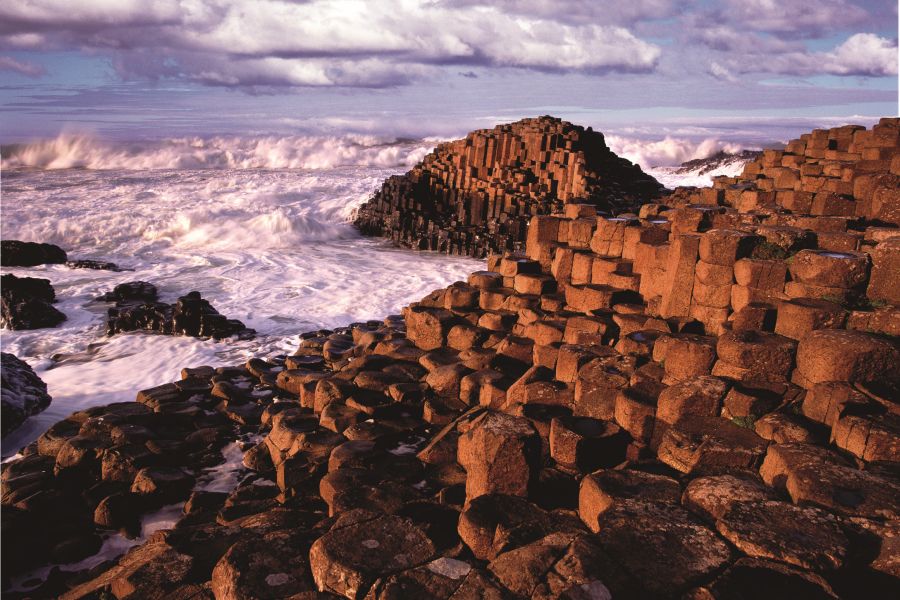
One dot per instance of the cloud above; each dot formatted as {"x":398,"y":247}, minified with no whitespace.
{"x":720,"y":72}
{"x":273,"y":43}
{"x":809,"y":18}
{"x":583,"y":11}
{"x":28,"y":69}
{"x":864,"y":54}
{"x":861,"y":55}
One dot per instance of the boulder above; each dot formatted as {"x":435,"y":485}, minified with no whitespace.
{"x":500,"y":453}
{"x":362,"y":547}
{"x":24,"y":394}
{"x":14,"y":253}
{"x":660,"y":546}
{"x":271,"y":566}
{"x":710,"y":497}
{"x":602,"y":490}
{"x":26,"y":303}
{"x":844,"y":355}
{"x":814,"y":475}
{"x":825,"y":268}
{"x":802,"y":536}
{"x":697,"y":444}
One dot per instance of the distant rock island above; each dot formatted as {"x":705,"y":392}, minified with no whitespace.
{"x":476,"y":195}
{"x":685,"y":395}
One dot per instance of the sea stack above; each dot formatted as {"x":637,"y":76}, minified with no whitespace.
{"x":476,"y":195}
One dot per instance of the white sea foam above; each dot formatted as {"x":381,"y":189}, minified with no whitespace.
{"x":271,"y":247}
{"x":669,"y":151}
{"x":70,"y":150}
{"x":699,"y":177}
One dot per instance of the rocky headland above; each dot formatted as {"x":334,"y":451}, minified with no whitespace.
{"x":691,"y":395}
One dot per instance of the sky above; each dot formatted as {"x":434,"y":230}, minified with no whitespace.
{"x":748,"y":70}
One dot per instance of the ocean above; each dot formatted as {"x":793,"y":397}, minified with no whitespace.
{"x":260,"y":226}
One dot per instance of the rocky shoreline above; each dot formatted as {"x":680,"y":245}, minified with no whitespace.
{"x":691,"y":398}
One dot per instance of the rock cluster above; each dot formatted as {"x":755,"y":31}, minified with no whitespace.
{"x":27,"y":303}
{"x":23,"y":392}
{"x":476,"y":195}
{"x":696,"y":401}
{"x":14,"y":253}
{"x":137,"y":309}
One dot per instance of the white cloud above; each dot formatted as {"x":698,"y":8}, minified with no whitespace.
{"x":861,"y":55}
{"x":864,"y":54}
{"x":809,"y":17}
{"x":720,"y":72}
{"x":340,"y":42}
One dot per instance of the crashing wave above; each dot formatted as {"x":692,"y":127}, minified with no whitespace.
{"x":68,"y":151}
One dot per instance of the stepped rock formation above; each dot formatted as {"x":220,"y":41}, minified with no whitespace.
{"x":476,"y":195}
{"x":699,"y":401}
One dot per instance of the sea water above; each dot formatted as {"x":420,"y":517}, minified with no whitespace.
{"x":261,"y":227}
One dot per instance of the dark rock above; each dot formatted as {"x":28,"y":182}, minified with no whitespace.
{"x":133,"y":291}
{"x":97,"y":265}
{"x":14,"y":253}
{"x":682,"y":550}
{"x":26,"y":303}
{"x":272,"y":566}
{"x":24,"y":394}
{"x":803,"y":536}
{"x":137,"y":309}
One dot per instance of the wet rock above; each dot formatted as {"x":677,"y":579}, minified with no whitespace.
{"x":26,"y":303}
{"x":190,"y":315}
{"x":362,"y":547}
{"x":133,"y":291}
{"x":153,"y":570}
{"x":14,"y":253}
{"x":97,"y":265}
{"x":164,"y":484}
{"x":24,"y":394}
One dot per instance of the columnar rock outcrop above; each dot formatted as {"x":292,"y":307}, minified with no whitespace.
{"x":693,"y":401}
{"x":476,"y":195}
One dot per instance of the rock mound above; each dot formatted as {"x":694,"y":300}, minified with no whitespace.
{"x":24,"y":394}
{"x":26,"y":303}
{"x":138,"y":310}
{"x":475,"y":196}
{"x":14,"y":253}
